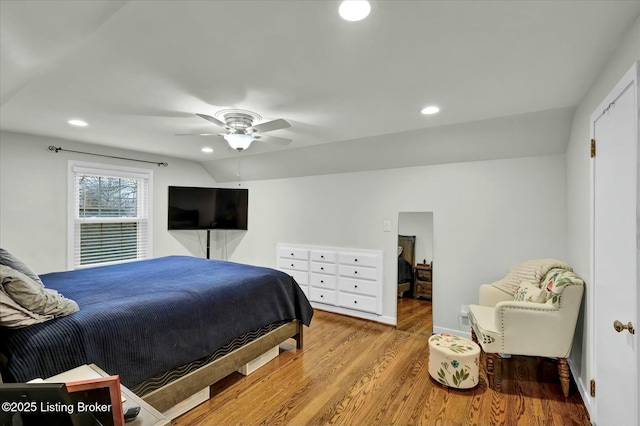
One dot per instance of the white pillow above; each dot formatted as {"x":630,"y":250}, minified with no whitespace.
{"x":13,"y":315}
{"x":33,"y":296}
{"x":13,"y":262}
{"x":529,"y":292}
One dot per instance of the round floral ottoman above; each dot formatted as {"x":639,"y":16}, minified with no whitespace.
{"x":454,"y":361}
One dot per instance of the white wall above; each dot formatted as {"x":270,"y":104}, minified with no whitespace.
{"x":487,"y":216}
{"x":33,"y":198}
{"x":578,"y":193}
{"x":419,"y":224}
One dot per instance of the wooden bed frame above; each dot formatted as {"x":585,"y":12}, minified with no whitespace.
{"x":182,"y":388}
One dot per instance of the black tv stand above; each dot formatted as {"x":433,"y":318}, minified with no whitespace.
{"x":208,"y":243}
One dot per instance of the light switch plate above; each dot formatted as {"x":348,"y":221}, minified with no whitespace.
{"x":386,"y":226}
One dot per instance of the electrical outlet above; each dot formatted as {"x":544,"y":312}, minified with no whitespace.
{"x":464,"y":311}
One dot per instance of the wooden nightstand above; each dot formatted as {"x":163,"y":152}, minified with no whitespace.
{"x":423,"y":281}
{"x":148,"y":416}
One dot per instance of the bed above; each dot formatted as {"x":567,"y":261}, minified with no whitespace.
{"x":168,"y":326}
{"x":406,"y":260}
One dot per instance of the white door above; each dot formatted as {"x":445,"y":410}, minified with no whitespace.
{"x":615,"y":255}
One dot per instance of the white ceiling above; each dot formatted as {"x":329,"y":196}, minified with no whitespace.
{"x":138,"y":71}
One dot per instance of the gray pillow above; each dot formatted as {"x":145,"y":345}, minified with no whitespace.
{"x":11,"y":261}
{"x":13,"y":315}
{"x":33,"y":296}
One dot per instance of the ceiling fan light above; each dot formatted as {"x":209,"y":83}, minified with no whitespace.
{"x":354,"y":10}
{"x":78,"y":123}
{"x":430,"y":110}
{"x":239,"y":141}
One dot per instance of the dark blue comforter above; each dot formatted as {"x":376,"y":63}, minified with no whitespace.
{"x":143,"y":318}
{"x":405,"y":271}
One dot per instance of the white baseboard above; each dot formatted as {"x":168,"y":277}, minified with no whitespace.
{"x":353,"y":313}
{"x":466,"y":334}
{"x":584,"y":392}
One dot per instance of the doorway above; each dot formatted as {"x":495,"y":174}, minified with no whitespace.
{"x":415,"y":259}
{"x":615,"y":253}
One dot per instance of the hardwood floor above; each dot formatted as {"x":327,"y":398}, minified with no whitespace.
{"x":414,"y":316}
{"x":358,"y":372}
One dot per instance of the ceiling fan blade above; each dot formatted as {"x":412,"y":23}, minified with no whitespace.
{"x":213,"y":120}
{"x":199,"y":134}
{"x":270,"y":125}
{"x":272,"y":139}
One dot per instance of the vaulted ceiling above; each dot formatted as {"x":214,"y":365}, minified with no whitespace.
{"x":139,"y":71}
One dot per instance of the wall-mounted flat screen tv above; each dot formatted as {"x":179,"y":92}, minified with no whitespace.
{"x":207,"y":208}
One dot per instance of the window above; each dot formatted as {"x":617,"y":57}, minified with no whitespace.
{"x":109,"y":217}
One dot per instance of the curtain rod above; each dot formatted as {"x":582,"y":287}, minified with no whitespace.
{"x":58,"y":149}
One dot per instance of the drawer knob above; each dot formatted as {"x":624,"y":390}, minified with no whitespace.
{"x":355,"y":302}
{"x":321,"y":281}
{"x":321,"y":256}
{"x":322,"y":268}
{"x":292,"y":265}
{"x":355,"y":286}
{"x":291,"y":254}
{"x":355,"y":272}
{"x":322,"y":295}
{"x":356,"y":260}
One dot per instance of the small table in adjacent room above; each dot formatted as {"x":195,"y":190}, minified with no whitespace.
{"x":423,"y":281}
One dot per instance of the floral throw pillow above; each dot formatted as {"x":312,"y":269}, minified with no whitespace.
{"x":529,"y":292}
{"x":556,"y":281}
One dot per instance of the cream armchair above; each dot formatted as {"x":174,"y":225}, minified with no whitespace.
{"x":537,"y":319}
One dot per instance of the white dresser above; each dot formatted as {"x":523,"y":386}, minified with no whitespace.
{"x":347,"y":281}
{"x":294,"y":260}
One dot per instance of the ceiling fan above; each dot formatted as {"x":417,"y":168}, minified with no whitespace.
{"x":240,"y":130}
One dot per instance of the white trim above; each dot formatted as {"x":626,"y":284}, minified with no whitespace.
{"x":584,"y":392}
{"x":631,"y":77}
{"x":440,"y":330}
{"x":73,"y":167}
{"x":352,"y":313}
{"x":116,"y":171}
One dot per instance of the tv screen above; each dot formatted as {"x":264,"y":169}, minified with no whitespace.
{"x":207,"y":208}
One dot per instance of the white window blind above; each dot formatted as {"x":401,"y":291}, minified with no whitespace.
{"x":110,"y":215}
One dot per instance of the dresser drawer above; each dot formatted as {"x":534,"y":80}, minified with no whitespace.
{"x":293,"y":253}
{"x":344,"y":280}
{"x":369,"y":288}
{"x":324,"y":281}
{"x":323,"y":256}
{"x":295,"y":265}
{"x":355,"y":301}
{"x":323,"y":268}
{"x":360,"y":259}
{"x":322,"y":295}
{"x":358,"y":272}
{"x":423,"y":274}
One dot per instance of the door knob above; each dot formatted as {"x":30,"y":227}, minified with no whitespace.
{"x":618,"y":326}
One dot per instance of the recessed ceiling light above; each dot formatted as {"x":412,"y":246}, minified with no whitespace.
{"x":430,"y":110}
{"x":354,"y":10}
{"x":207,"y":150}
{"x":78,"y":123}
